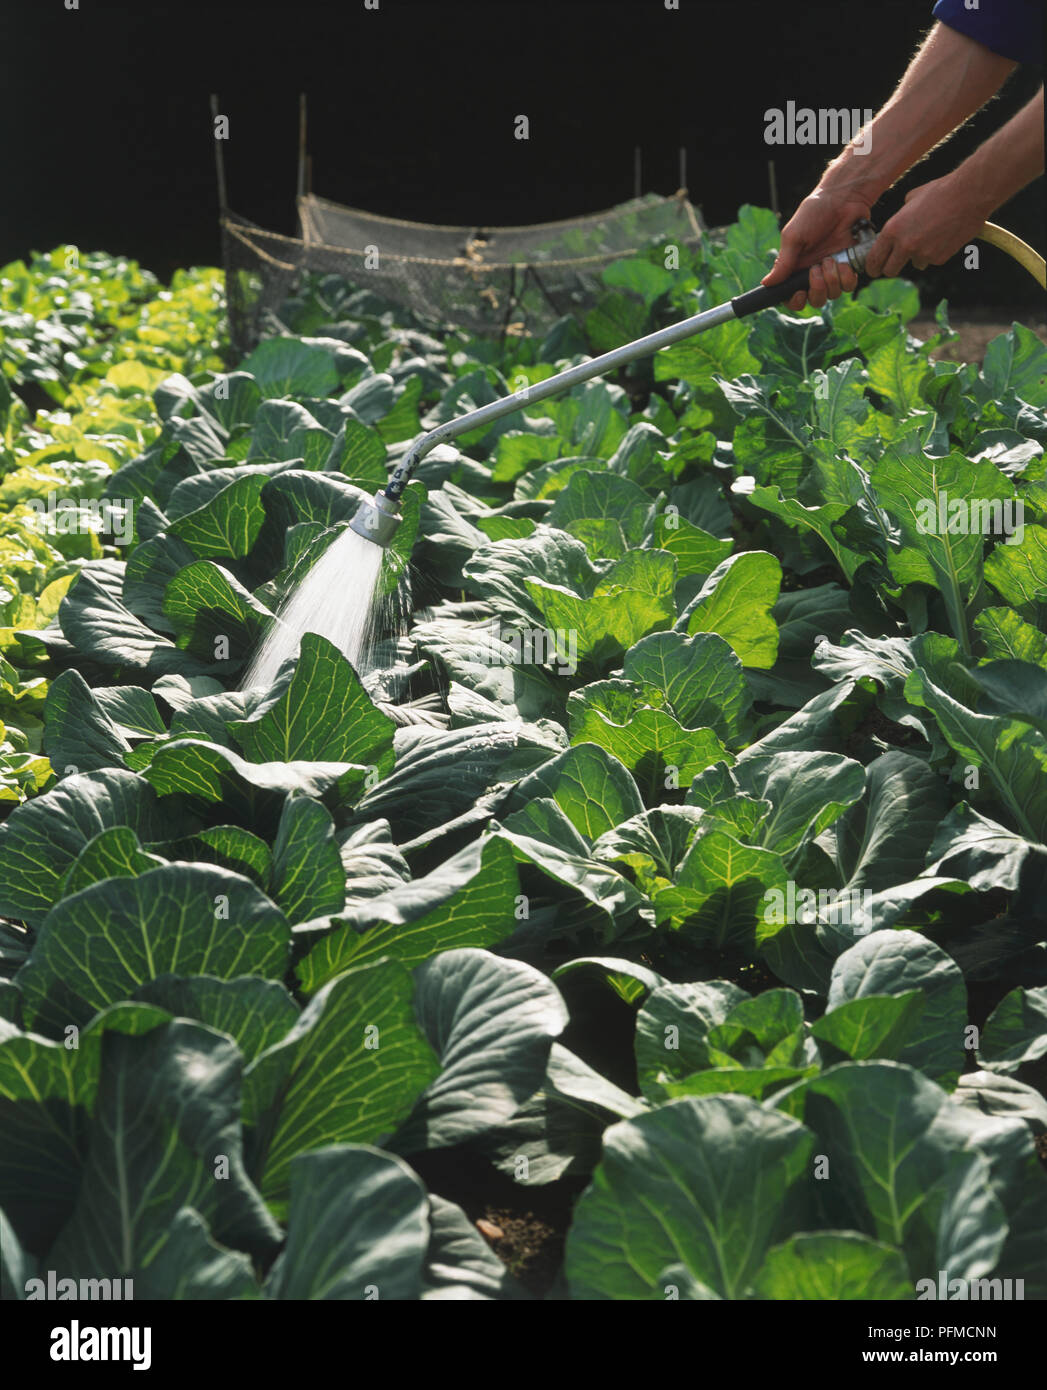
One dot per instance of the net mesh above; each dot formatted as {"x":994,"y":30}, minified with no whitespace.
{"x":487,"y":280}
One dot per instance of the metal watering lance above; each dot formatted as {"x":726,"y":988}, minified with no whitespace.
{"x":378,"y":519}
{"x":318,"y":605}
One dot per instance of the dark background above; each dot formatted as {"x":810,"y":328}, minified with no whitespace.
{"x":106,"y":128}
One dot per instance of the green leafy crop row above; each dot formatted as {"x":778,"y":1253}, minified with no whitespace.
{"x":92,"y":337}
{"x":695,"y":740}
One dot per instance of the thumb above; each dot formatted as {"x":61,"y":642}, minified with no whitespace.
{"x":876,"y":256}
{"x":785,"y":261}
{"x":783,"y":265}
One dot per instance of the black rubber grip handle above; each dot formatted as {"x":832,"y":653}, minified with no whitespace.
{"x":766,"y":295}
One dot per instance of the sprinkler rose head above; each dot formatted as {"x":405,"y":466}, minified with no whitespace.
{"x":377,"y":520}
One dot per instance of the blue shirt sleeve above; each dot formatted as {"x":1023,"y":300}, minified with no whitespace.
{"x":1012,"y":28}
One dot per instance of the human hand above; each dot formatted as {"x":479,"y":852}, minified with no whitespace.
{"x":935,"y":223}
{"x":820,"y":226}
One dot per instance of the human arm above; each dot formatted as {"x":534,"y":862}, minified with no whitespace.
{"x":941,"y":217}
{"x":951,"y":77}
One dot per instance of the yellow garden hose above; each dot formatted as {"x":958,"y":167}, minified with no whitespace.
{"x":1020,"y":250}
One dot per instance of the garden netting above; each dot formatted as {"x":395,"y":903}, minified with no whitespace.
{"x":488,"y":280}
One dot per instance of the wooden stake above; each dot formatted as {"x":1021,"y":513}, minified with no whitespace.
{"x":219,"y":158}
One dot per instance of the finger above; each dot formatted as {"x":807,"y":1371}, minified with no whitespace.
{"x":817,"y":294}
{"x":896,"y":260}
{"x":798,"y":301}
{"x":831,"y":275}
{"x":920,"y":264}
{"x":848,"y":278}
{"x":877,"y":255}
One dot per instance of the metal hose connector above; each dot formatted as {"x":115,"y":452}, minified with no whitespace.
{"x":866,"y":235}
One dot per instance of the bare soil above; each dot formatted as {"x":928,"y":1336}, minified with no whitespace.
{"x":976,"y":331}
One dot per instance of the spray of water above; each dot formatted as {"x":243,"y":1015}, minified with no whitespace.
{"x":338,"y":599}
